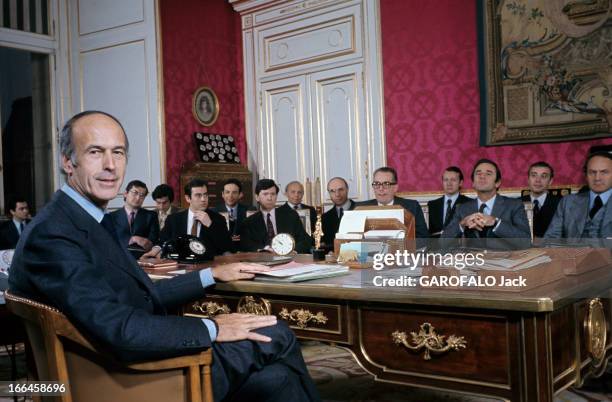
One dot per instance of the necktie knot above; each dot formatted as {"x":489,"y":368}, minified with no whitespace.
{"x":340,"y":212}
{"x":21,"y":227}
{"x":482,"y":208}
{"x":536,"y":206}
{"x":295,"y":207}
{"x":597,"y":204}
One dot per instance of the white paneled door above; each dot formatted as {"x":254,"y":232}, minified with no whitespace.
{"x":338,"y":135}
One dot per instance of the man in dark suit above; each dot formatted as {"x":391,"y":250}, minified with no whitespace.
{"x":137,"y":228}
{"x":587,"y":215}
{"x":294,"y":191}
{"x":232,"y":194}
{"x":385,"y":187}
{"x":540,"y":176}
{"x":163,"y":195}
{"x":441,"y":210}
{"x":67,"y":259}
{"x":259,"y":228}
{"x":11,"y":231}
{"x":338,"y":190}
{"x":198,"y":220}
{"x":494,"y":220}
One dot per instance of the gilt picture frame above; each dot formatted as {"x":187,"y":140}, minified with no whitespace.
{"x":205,"y":106}
{"x":545,"y":70}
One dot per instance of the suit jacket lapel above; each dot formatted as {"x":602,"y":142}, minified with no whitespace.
{"x":582,"y":209}
{"x":88,"y":224}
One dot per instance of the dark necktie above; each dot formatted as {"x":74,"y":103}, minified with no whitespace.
{"x":270,"y":229}
{"x":449,"y":212}
{"x":131,"y":221}
{"x":21,"y":227}
{"x":194,"y":227}
{"x":536,"y":207}
{"x":296,"y":207}
{"x":596,"y":207}
{"x":232,"y":220}
{"x":482,"y":233}
{"x":340,"y":212}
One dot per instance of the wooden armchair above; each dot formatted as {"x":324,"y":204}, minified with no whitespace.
{"x":63,"y":354}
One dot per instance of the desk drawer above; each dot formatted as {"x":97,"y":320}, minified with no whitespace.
{"x":416,"y":343}
{"x":309,"y":320}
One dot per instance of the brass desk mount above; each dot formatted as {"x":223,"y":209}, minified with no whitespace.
{"x":428,"y":339}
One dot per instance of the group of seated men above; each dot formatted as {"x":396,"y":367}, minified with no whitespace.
{"x":488,"y":216}
{"x":72,"y":256}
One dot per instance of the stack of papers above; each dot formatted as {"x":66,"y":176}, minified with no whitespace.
{"x":515,"y":261}
{"x":384,"y":234}
{"x":296,"y":272}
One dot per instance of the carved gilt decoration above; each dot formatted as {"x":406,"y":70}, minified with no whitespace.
{"x":428,"y":339}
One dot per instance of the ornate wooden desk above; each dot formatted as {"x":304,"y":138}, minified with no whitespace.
{"x":524,"y":346}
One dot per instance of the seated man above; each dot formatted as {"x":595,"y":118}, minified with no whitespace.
{"x":198,"y":220}
{"x":294,"y":191}
{"x":163,"y":195}
{"x":259,"y":228}
{"x":540,"y":176}
{"x":11,"y":231}
{"x":338,"y":190}
{"x":587,"y":215}
{"x":385,"y":187}
{"x":490,"y":215}
{"x":134,"y":225}
{"x":69,"y":260}
{"x":232,"y":194}
{"x":441,"y":210}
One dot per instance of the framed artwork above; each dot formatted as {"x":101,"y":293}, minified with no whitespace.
{"x":545,"y":70}
{"x":205,"y":106}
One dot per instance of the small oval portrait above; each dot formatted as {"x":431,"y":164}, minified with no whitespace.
{"x":205,"y":106}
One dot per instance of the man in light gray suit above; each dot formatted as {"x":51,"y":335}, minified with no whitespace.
{"x":587,"y":215}
{"x":491,"y":220}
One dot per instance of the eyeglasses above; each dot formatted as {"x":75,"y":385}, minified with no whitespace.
{"x":385,"y":184}
{"x":138,"y":194}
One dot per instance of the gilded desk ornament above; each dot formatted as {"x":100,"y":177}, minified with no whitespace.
{"x":595,"y":327}
{"x":254,"y":305}
{"x":210,"y":309}
{"x":318,"y":254}
{"x":428,"y":339}
{"x":302,"y":317}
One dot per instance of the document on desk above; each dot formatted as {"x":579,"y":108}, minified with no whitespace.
{"x":296,"y":272}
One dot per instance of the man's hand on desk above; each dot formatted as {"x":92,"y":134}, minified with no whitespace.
{"x":143,"y":242}
{"x":237,"y":271}
{"x":237,"y":327}
{"x":154,"y":253}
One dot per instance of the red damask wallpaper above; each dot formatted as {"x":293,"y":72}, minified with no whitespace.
{"x":201,"y":46}
{"x":431,"y":96}
{"x":430,"y":67}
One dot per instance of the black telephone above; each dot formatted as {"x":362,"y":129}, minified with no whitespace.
{"x":186,"y":249}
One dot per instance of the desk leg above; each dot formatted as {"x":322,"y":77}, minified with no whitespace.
{"x":536,"y":380}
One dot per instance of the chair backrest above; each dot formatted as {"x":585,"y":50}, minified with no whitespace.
{"x":62,"y":353}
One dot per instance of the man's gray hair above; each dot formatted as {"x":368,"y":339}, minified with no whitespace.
{"x":66,"y":143}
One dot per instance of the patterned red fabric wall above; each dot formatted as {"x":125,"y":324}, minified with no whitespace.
{"x":201,"y":46}
{"x":430,"y":67}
